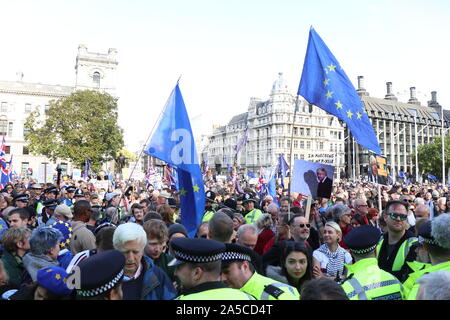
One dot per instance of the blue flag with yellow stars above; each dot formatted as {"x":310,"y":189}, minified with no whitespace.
{"x":173,"y":142}
{"x":325,"y":84}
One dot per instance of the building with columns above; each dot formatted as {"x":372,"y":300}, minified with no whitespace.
{"x":94,"y":71}
{"x":401,"y":127}
{"x":316,"y":135}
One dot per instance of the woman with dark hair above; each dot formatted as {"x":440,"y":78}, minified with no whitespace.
{"x":295,"y":265}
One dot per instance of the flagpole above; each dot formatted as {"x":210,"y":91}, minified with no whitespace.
{"x":290,"y":155}
{"x":443,"y":138}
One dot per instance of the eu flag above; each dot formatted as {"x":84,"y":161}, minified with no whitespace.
{"x":325,"y":84}
{"x":173,"y":142}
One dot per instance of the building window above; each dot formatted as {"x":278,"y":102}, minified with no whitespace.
{"x":25,"y":131}
{"x":308,"y":132}
{"x":96,"y":79}
{"x":288,"y":143}
{"x":4,"y":107}
{"x":308,"y":145}
{"x":7,"y":149}
{"x":24,"y":167}
{"x":3,"y":127}
{"x":27,"y":107}
{"x":302,"y":131}
{"x":25,"y":150}
{"x":302,"y":144}
{"x":296,"y":144}
{"x":10,"y":129}
{"x":295,"y":131}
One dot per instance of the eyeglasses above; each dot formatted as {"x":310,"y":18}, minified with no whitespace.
{"x":395,"y":216}
{"x":302,"y":225}
{"x":362,"y":205}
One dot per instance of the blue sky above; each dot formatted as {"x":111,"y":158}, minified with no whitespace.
{"x":226,"y":51}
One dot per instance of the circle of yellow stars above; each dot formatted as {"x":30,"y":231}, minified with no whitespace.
{"x":329,"y":94}
{"x":64,"y":244}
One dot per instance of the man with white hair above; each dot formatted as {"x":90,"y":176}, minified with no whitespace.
{"x":247,"y":236}
{"x":434,"y":286}
{"x":143,"y":279}
{"x":438,"y":248}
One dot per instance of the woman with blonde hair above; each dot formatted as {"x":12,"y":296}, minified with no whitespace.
{"x":265,"y":233}
{"x":330,"y":258}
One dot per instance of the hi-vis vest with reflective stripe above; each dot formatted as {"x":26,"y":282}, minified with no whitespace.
{"x":366,"y":281}
{"x":263,"y":288}
{"x":418,"y":268}
{"x":208,"y":215}
{"x":217,"y":294}
{"x":252,"y":216}
{"x":438,"y":267}
{"x":402,"y":252}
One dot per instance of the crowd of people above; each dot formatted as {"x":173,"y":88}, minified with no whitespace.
{"x":76,"y":241}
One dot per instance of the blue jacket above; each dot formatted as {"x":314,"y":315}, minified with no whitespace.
{"x":156,"y":284}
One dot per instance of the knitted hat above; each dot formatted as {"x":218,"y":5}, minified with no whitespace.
{"x":66,"y":229}
{"x":54,"y":280}
{"x":177,"y":228}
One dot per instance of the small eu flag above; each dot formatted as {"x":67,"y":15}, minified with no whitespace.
{"x":325,"y":84}
{"x":173,"y":142}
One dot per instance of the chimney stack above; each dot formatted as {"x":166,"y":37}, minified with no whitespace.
{"x":390,"y":95}
{"x":361,"y":90}
{"x":412,"y":98}
{"x":433,"y":103}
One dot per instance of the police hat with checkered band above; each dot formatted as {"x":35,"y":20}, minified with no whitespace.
{"x":21,"y":197}
{"x":52,"y":189}
{"x":78,"y":193}
{"x":362,"y":240}
{"x":247,"y":198}
{"x":210,"y":196}
{"x":235,"y":252}
{"x":71,"y":189}
{"x":196,"y":250}
{"x":424,"y":234}
{"x":100,"y":273}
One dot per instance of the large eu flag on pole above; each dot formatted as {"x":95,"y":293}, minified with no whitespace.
{"x":325,"y":84}
{"x":173,"y":142}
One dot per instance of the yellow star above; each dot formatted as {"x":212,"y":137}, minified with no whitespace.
{"x":196,"y":188}
{"x":57,"y":276}
{"x":364,"y":110}
{"x":326,"y":82}
{"x":1,"y":227}
{"x":183,"y":192}
{"x":359,"y":115}
{"x":63,"y":245}
{"x":339,"y":105}
{"x":349,"y":114}
{"x":329,"y":94}
{"x":332,"y":67}
{"x":70,"y":229}
{"x":60,"y":222}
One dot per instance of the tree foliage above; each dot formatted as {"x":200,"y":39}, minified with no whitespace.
{"x":430,"y":157}
{"x":82,"y":124}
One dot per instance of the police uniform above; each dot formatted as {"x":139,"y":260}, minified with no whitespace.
{"x":365,"y":280}
{"x":199,"y":250}
{"x":209,"y":211}
{"x":47,"y":218}
{"x":253,"y":215}
{"x":69,"y":201}
{"x":260,"y":287}
{"x":100,"y":273}
{"x":425,"y":236}
{"x":22,"y":197}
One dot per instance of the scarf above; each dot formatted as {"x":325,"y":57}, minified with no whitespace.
{"x":336,"y":260}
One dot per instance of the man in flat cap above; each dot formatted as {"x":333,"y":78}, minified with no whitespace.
{"x":365,"y":280}
{"x":198,"y":265}
{"x":438,"y":247}
{"x":99,"y":276}
{"x":238,"y":272}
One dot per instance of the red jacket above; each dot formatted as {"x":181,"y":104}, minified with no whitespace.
{"x":263,"y":238}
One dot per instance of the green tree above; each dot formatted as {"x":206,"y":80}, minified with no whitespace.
{"x":82,"y":124}
{"x":430,"y":157}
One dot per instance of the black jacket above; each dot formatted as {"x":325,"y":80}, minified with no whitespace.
{"x":324,"y":188}
{"x":386,"y":263}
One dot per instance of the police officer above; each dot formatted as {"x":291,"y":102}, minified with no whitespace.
{"x":99,"y":277}
{"x":238,"y":271}
{"x":365,"y":279}
{"x":398,"y":244}
{"x":78,"y":195}
{"x":47,"y":213}
{"x":20,"y":200}
{"x":251,"y":214}
{"x":197,"y":264}
{"x":438,"y":247}
{"x":210,"y":198}
{"x":68,"y":200}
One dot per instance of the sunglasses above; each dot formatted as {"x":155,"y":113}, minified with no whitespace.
{"x":302,"y":225}
{"x":395,"y":216}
